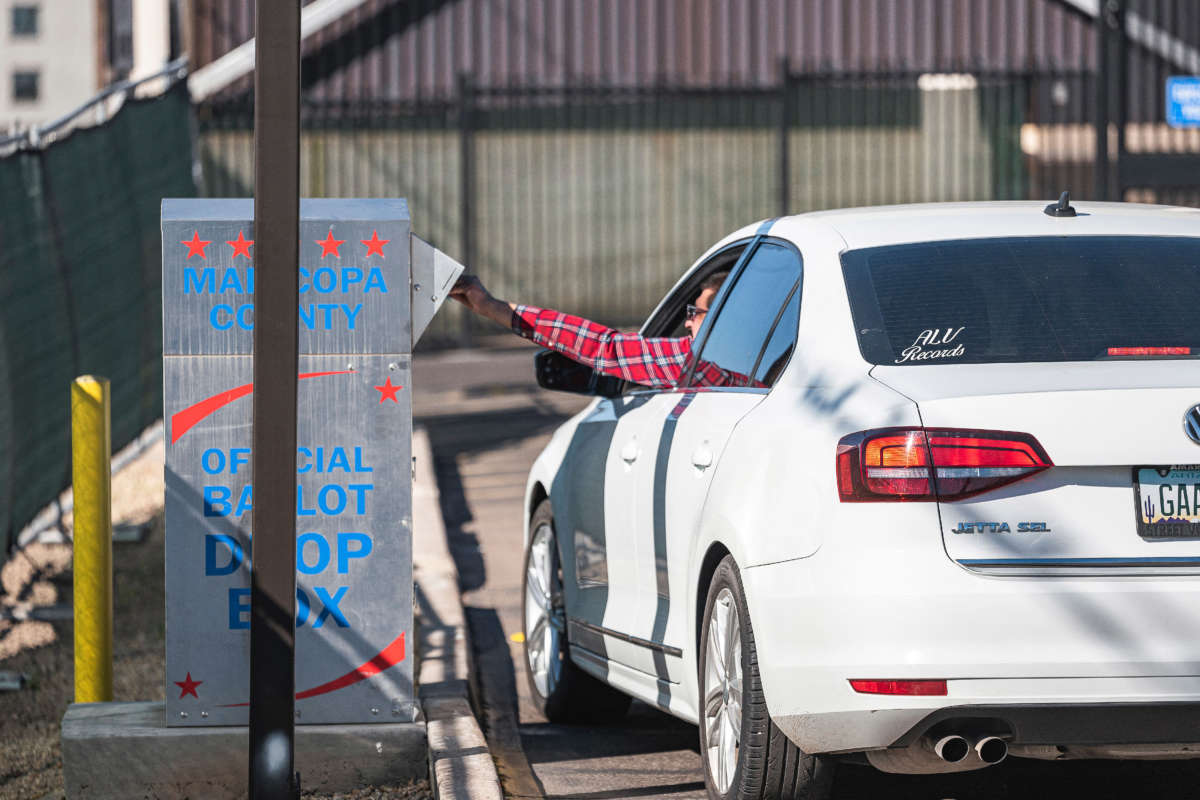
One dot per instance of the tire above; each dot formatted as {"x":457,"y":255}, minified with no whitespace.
{"x":746,"y":756}
{"x":561,"y":691}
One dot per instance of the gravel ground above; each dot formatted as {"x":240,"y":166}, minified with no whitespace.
{"x":40,"y":576}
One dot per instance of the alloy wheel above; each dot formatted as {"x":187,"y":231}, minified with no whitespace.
{"x":544,"y":616}
{"x":723,"y":691}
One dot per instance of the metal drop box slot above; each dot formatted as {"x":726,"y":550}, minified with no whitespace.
{"x":368,"y":290}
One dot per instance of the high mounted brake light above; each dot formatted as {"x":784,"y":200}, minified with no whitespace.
{"x":1149,"y":351}
{"x":918,"y":464}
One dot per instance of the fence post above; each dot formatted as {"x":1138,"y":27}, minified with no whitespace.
{"x":91,"y":447}
{"x":466,"y":189}
{"x":785,"y":124}
{"x":1110,"y":25}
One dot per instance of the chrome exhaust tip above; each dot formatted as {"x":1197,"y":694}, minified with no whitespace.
{"x":953,"y":749}
{"x":991,"y":749}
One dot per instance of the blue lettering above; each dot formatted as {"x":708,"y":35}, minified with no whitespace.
{"x":215,"y":319}
{"x":304,"y":453}
{"x":239,"y":605}
{"x":216,"y":501}
{"x":345,"y":553}
{"x":232,"y":282}
{"x":301,"y":511}
{"x":339,"y":460}
{"x":245,"y":316}
{"x":199,"y":282}
{"x":351,"y":314}
{"x":308,"y":319}
{"x":360,"y":494}
{"x":331,"y":606}
{"x":351,"y":276}
{"x":206,"y":461}
{"x":322,"y":553}
{"x":375,"y":279}
{"x":236,"y":556}
{"x":358,"y":463}
{"x":238,"y":456}
{"x":339,"y":500}
{"x":328,"y":308}
{"x":325,"y":280}
{"x":303,"y":276}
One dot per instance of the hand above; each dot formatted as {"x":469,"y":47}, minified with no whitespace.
{"x":470,"y":291}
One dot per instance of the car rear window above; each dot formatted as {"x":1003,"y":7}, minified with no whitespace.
{"x":1061,"y":298}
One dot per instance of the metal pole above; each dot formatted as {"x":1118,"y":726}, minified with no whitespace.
{"x":276,"y":318}
{"x":91,"y":448}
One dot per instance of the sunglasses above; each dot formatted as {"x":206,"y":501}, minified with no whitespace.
{"x":694,"y":311}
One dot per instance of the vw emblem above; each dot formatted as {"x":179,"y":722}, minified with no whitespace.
{"x":1191,"y":423}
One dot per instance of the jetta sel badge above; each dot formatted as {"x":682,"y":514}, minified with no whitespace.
{"x":1001,"y":527}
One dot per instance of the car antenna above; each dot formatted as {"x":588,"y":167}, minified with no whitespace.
{"x":1062,"y":208}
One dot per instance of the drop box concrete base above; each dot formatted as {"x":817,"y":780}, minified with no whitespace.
{"x":124,"y":750}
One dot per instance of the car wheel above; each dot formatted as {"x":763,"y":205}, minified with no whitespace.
{"x":745,"y":754}
{"x":561,"y":690}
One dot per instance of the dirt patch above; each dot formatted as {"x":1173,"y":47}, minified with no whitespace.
{"x":39,"y":577}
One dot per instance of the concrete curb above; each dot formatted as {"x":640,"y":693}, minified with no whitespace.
{"x":460,"y":764}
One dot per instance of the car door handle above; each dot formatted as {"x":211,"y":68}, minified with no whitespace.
{"x":702,"y":456}
{"x":630,"y":452}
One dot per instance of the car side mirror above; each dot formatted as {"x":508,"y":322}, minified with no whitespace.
{"x":556,"y":371}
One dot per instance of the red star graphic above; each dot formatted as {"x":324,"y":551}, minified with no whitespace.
{"x":375,"y":244}
{"x":388,"y":392}
{"x":241,"y":245}
{"x":188,"y":686}
{"x":330,"y":245}
{"x":195,"y":246}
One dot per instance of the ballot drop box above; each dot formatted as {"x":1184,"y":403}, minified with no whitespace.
{"x":368,"y":289}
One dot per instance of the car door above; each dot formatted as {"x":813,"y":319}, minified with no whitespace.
{"x":610,"y":462}
{"x":742,"y":353}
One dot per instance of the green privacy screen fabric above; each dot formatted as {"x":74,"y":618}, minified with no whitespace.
{"x":79,"y":287}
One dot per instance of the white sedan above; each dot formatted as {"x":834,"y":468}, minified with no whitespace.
{"x":949,"y":511}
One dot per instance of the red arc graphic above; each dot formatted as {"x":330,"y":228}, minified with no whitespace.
{"x":375,"y":244}
{"x":195,"y":245}
{"x":389,"y":656}
{"x":240,"y":245}
{"x":387,"y":391}
{"x":330,"y":245}
{"x":188,"y":686}
{"x":183,"y":421}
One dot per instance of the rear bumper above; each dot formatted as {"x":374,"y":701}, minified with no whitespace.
{"x":1061,"y":661}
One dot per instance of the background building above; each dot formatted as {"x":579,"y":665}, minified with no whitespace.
{"x":56,"y":54}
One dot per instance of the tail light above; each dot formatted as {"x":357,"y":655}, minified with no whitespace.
{"x":898,"y":464}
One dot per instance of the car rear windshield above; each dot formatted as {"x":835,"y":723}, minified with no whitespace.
{"x":1061,"y":298}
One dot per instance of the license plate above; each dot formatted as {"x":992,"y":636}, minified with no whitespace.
{"x":1168,"y":501}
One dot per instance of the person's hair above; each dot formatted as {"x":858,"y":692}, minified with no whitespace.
{"x":715,"y":280}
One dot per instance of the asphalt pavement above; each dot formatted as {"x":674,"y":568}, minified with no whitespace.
{"x":487,"y":420}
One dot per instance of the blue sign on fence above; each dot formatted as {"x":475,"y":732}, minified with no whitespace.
{"x":1183,"y":102}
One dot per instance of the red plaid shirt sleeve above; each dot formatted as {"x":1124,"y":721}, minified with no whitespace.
{"x":657,"y":362}
{"x":654,"y":362}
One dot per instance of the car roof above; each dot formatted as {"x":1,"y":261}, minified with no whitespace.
{"x":903,"y":224}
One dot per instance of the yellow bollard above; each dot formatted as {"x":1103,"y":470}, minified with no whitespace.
{"x":91,"y":448}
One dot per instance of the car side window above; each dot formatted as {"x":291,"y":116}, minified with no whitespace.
{"x":669,"y":319}
{"x":778,"y":351}
{"x":747,"y":318}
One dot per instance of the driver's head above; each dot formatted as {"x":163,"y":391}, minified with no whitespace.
{"x":698,"y":309}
